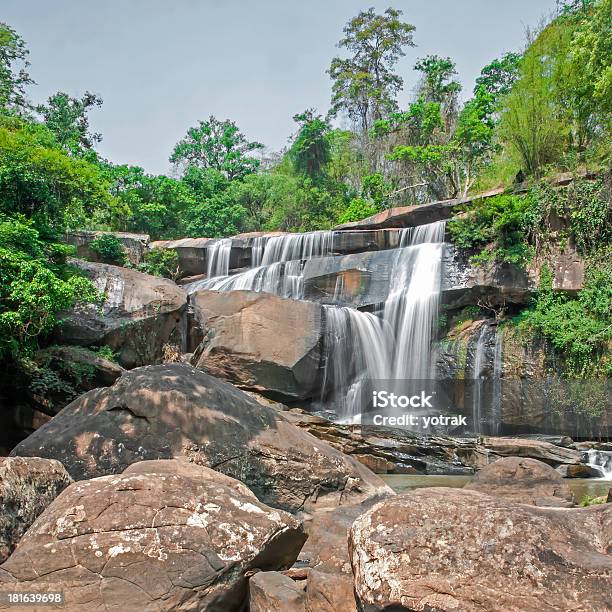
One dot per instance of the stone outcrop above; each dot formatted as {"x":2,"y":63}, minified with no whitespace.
{"x":525,"y":481}
{"x":275,"y":592}
{"x":135,"y":245}
{"x":536,"y":449}
{"x":491,"y":283}
{"x":260,"y":342}
{"x":418,"y":214}
{"x":453,"y":549}
{"x":174,"y":410}
{"x":139,"y":315}
{"x":27,"y":486}
{"x":149,"y":539}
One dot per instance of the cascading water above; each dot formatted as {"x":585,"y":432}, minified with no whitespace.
{"x":361,"y":347}
{"x":601,"y":461}
{"x":277,"y":262}
{"x":218,"y":255}
{"x":477,"y":376}
{"x":497,"y":375}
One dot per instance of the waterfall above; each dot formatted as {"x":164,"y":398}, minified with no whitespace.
{"x":497,"y":375}
{"x":277,"y":262}
{"x":362,"y":347}
{"x":218,"y":255}
{"x":289,"y":247}
{"x":477,"y":367}
{"x":600,"y":460}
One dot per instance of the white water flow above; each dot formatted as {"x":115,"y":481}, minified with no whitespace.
{"x":218,"y":255}
{"x":601,"y":461}
{"x":497,"y":375}
{"x":277,"y":262}
{"x":477,"y":391}
{"x":361,"y":347}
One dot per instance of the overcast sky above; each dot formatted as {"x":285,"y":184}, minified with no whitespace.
{"x":160,"y":65}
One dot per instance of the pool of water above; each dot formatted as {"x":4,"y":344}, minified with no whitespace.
{"x":594,"y":487}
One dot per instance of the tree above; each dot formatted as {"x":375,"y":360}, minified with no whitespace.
{"x":364,"y":85}
{"x":218,"y":145}
{"x":67,"y":118}
{"x":311,"y":149}
{"x":438,"y":86}
{"x":14,"y":77}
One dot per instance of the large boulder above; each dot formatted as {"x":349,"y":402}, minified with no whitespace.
{"x":451,"y":549}
{"x":275,"y":592}
{"x":260,"y":342}
{"x":153,"y":539}
{"x":134,"y":245}
{"x":27,"y":486}
{"x":523,"y":480}
{"x":139,"y":315}
{"x":174,"y":410}
{"x":536,"y":449}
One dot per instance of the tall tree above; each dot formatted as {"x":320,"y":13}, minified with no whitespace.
{"x":437,"y":85}
{"x":14,"y":75}
{"x":68,"y":119}
{"x":364,"y":84}
{"x":311,"y":149}
{"x":218,"y":145}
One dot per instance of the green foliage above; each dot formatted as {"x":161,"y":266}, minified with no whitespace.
{"x":217,"y":145}
{"x":357,"y":210}
{"x":67,"y":119}
{"x":41,"y":181}
{"x":591,"y":500}
{"x":106,"y":352}
{"x":14,"y":77}
{"x":110,"y":249}
{"x":161,"y":262}
{"x":579,"y":328}
{"x":311,"y":149}
{"x":364,"y":85}
{"x":496,"y":227}
{"x":35,"y":286}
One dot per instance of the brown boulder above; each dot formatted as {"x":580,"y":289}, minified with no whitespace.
{"x":451,"y":549}
{"x":153,"y":540}
{"x":327,"y":592}
{"x":275,"y":592}
{"x":140,"y":314}
{"x":260,"y":342}
{"x":174,"y":410}
{"x":27,"y":486}
{"x":523,"y":480}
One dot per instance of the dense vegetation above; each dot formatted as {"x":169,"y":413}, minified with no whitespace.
{"x":532,"y":113}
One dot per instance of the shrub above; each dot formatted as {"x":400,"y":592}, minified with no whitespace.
{"x":110,"y":249}
{"x":161,"y":262}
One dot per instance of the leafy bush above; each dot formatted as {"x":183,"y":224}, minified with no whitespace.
{"x":161,"y":262}
{"x":106,"y":352}
{"x":35,"y":286}
{"x":579,"y":328}
{"x":357,"y":210}
{"x":110,"y":249}
{"x":499,"y":221}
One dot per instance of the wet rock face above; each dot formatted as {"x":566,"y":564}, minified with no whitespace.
{"x":453,"y":549}
{"x":135,"y":245}
{"x":164,"y":540}
{"x":174,"y":410}
{"x":140,"y":314}
{"x":27,"y":486}
{"x":260,"y":342}
{"x":493,"y":283}
{"x":525,"y":481}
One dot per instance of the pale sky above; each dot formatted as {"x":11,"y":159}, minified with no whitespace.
{"x":160,"y":65}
